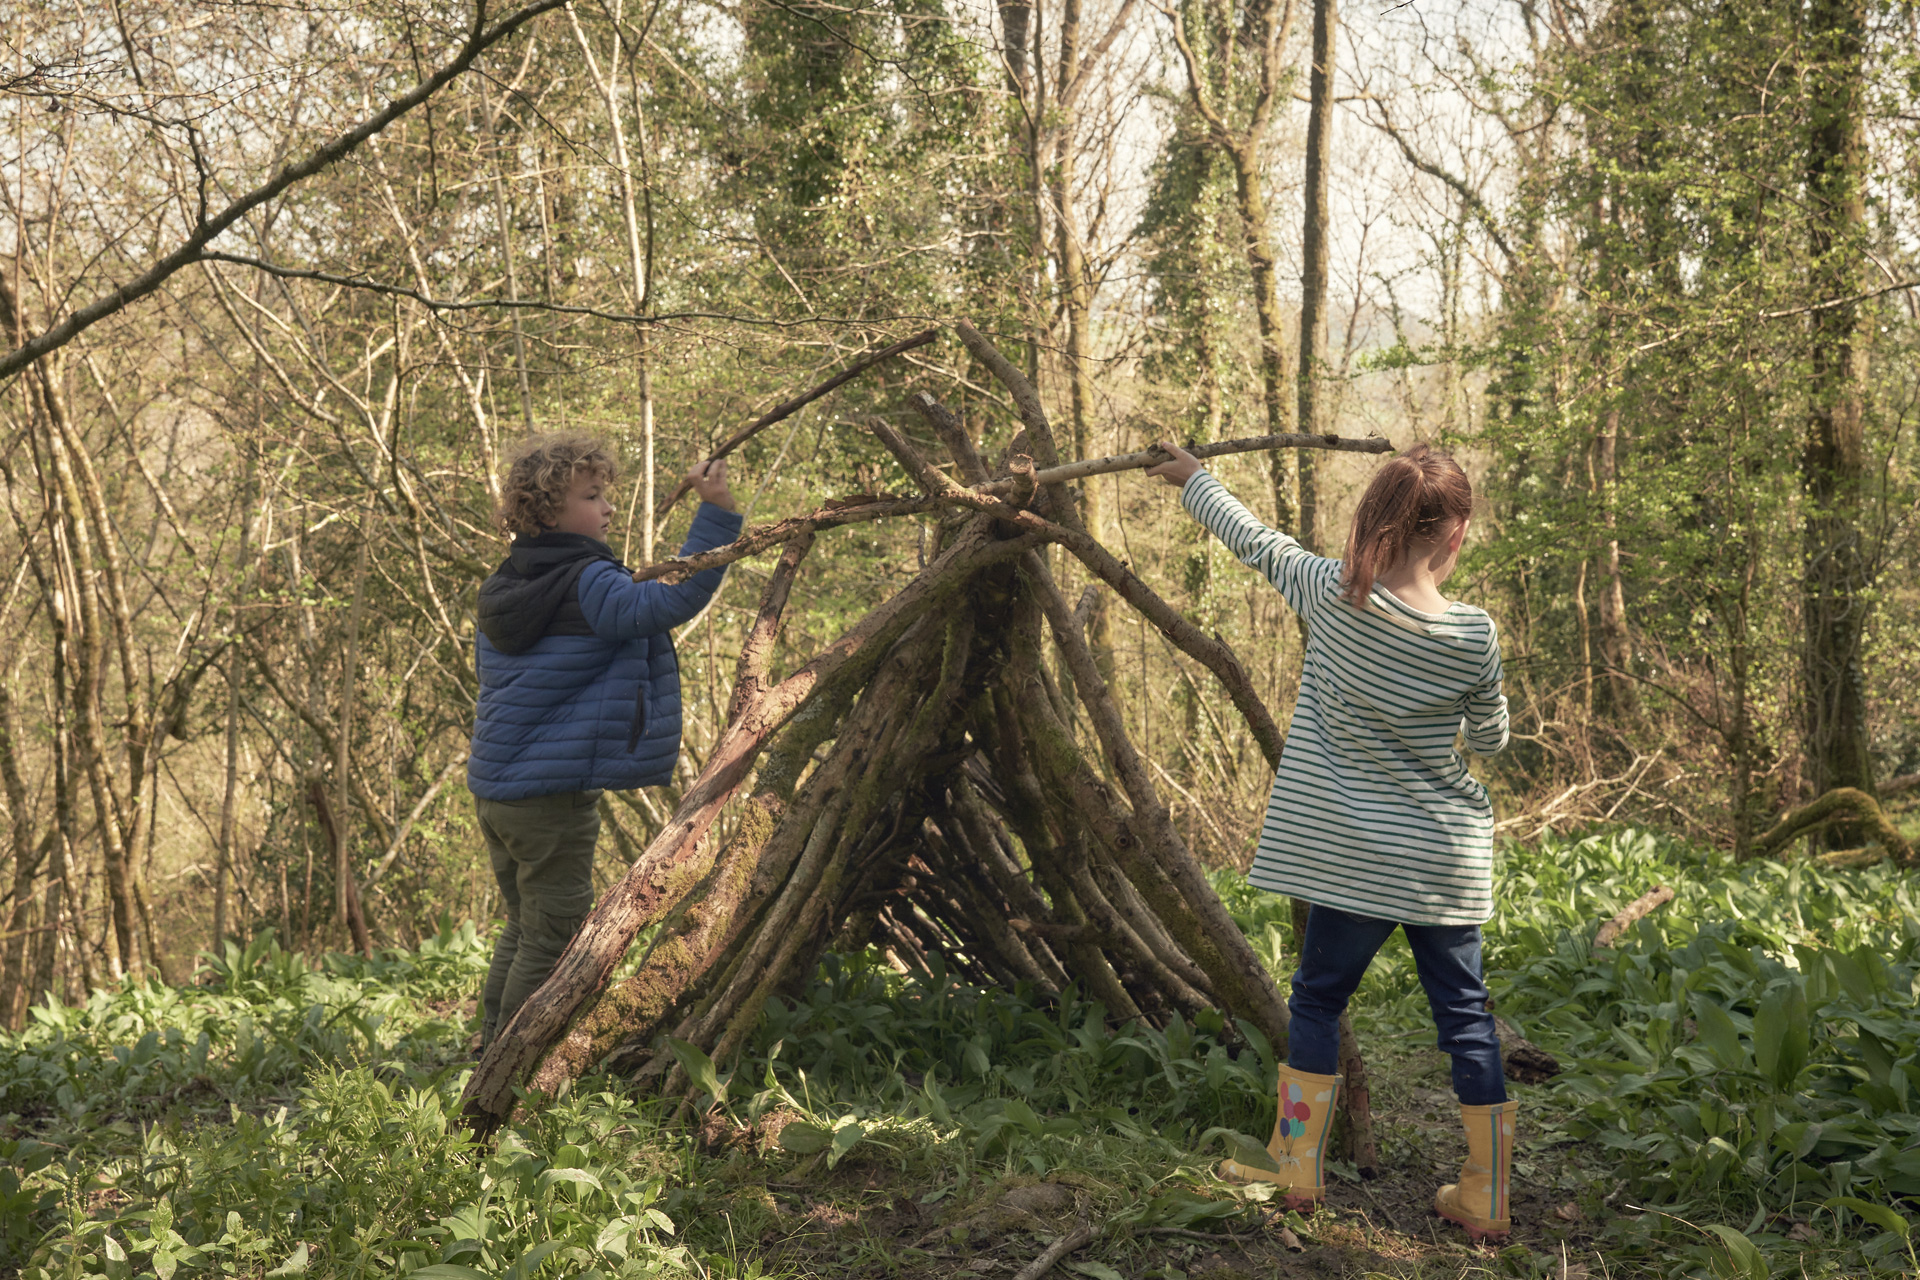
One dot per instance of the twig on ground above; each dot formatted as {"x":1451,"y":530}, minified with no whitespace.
{"x":1080,"y":1237}
{"x":1384,"y":1211}
{"x":1188,"y":1233}
{"x":1634,"y":911}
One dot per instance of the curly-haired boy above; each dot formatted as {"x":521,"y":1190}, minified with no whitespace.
{"x":579,"y":691}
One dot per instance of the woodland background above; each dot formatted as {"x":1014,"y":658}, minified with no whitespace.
{"x":1649,"y":267}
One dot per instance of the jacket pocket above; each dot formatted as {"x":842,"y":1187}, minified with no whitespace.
{"x":639,"y":719}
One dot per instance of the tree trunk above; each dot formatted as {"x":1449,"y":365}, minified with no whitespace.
{"x":1313,"y":264}
{"x":1078,"y":291}
{"x":1245,"y":147}
{"x":28,"y":854}
{"x":1263,"y":259}
{"x":1833,"y":458}
{"x":346,"y":897}
{"x":1616,"y":643}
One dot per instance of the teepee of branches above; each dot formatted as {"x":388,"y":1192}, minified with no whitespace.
{"x":918,"y":784}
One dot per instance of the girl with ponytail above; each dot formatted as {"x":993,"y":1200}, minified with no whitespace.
{"x":1373,"y":817}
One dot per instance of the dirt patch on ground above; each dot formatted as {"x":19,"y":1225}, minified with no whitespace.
{"x":865,"y":1219}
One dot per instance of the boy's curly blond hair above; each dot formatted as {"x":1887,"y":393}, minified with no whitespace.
{"x":539,"y":474}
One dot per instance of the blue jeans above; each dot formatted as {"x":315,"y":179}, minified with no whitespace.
{"x":1338,"y":949}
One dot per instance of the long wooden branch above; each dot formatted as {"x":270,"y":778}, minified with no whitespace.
{"x":757,"y":539}
{"x":1001,"y":497}
{"x":787,"y":408}
{"x":953,"y":434}
{"x":479,"y":39}
{"x":1211,"y":652}
{"x":1249,"y":444}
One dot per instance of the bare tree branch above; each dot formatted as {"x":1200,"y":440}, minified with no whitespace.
{"x":194,"y":247}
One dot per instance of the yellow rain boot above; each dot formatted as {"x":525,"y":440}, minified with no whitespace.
{"x":1478,"y":1201}
{"x":1298,"y":1145}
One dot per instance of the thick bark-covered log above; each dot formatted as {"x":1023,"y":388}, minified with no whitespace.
{"x":678,"y":958}
{"x":1839,"y":803}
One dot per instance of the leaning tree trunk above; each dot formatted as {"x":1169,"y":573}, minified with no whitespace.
{"x":920,"y":786}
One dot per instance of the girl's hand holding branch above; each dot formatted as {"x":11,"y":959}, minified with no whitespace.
{"x":1179,"y":467}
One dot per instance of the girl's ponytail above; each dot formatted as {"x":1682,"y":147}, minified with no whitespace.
{"x":1411,"y":499}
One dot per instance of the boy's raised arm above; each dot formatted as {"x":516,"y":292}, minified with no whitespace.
{"x":618,"y":608}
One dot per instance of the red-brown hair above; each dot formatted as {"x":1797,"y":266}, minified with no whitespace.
{"x":1411,"y":499}
{"x":539,"y":474}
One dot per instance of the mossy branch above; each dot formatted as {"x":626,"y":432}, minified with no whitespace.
{"x":1841,"y":801}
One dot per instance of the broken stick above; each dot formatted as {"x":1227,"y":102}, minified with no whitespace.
{"x":1640,"y":907}
{"x":1080,"y":1237}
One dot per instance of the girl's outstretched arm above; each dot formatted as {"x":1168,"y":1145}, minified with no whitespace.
{"x":1301,"y":577}
{"x":1487,"y":706}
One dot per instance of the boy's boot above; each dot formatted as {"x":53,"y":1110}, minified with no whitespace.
{"x":1298,"y":1145}
{"x":1478,"y":1201}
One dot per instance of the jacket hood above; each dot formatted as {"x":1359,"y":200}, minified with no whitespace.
{"x":519,"y":600}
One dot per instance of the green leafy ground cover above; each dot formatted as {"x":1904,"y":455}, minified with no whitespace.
{"x":1738,"y":1102}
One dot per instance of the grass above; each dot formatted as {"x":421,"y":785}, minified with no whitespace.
{"x":1737,"y":1102}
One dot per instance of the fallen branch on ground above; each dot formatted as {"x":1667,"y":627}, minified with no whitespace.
{"x":1521,"y":1060}
{"x":1634,"y":911}
{"x":1079,"y":1238}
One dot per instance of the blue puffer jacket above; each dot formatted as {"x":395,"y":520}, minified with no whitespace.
{"x":579,"y":684}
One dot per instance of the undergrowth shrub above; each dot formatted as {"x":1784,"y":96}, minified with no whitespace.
{"x":1747,"y":1059}
{"x":863,"y":1031}
{"x":955,"y":1085}
{"x":1750,"y":1052}
{"x":362,"y":1176}
{"x":257,"y":1021}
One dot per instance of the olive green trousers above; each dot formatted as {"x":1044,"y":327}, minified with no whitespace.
{"x":542,"y":854}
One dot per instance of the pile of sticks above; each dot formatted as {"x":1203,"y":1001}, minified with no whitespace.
{"x":926,"y":784}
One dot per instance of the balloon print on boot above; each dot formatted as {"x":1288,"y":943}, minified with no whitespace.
{"x":1305,"y":1105}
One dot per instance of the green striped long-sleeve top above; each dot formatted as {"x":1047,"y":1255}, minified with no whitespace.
{"x":1373,"y":810}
